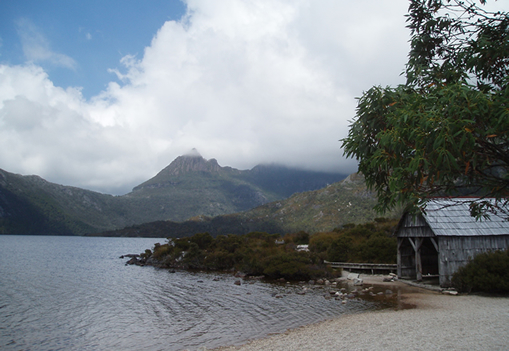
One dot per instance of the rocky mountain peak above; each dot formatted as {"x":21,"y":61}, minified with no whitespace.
{"x":187,"y":163}
{"x":191,"y":162}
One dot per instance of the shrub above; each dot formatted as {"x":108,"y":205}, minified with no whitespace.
{"x":291,"y":266}
{"x":228,"y":242}
{"x":219,"y":260}
{"x":161,"y":250}
{"x":320,"y":242}
{"x":487,"y":272}
{"x":194,"y":256}
{"x":301,"y":238}
{"x":361,"y":232}
{"x":182,"y":244}
{"x":379,"y":248}
{"x":146,"y":254}
{"x":340,"y":249}
{"x":203,"y":240}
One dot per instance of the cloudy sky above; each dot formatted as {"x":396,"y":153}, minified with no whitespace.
{"x":104,"y":94}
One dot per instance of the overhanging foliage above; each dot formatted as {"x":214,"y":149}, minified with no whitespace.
{"x":446,"y":131}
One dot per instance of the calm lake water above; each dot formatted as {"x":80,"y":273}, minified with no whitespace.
{"x":75,"y":293}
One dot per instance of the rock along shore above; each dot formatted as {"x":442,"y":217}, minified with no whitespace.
{"x":439,"y":322}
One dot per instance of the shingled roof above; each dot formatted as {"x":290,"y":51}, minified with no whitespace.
{"x":451,"y":217}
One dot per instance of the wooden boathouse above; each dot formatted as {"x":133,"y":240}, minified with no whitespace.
{"x":445,"y":237}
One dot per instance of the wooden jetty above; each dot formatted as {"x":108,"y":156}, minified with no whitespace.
{"x":364,"y":266}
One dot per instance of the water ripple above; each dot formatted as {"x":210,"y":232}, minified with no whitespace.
{"x":74,"y":293}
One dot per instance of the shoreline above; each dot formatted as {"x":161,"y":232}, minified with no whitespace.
{"x":435,"y":321}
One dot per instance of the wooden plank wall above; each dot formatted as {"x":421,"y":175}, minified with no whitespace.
{"x":406,"y":259}
{"x":414,"y":227}
{"x":456,"y":251}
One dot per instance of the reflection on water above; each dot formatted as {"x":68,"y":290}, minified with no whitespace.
{"x":74,"y":293}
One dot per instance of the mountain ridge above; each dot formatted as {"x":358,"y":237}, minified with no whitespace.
{"x":344,"y":202}
{"x":189,"y":186}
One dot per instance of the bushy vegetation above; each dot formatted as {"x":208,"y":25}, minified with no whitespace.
{"x":273,"y":256}
{"x":256,"y":253}
{"x":487,"y":272}
{"x":371,"y":242}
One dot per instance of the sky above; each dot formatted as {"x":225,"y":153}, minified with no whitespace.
{"x":104,"y":94}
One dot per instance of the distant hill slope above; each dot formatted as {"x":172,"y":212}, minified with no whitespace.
{"x":31,"y":205}
{"x":190,"y":186}
{"x":321,"y":210}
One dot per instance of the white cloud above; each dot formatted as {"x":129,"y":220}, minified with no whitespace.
{"x":47,"y":130}
{"x":36,"y":47}
{"x":244,"y":82}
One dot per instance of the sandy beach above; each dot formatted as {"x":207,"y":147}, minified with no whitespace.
{"x":435,"y":321}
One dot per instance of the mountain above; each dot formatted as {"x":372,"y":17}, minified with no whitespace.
{"x":190,"y":186}
{"x":322,"y":210}
{"x":31,"y":205}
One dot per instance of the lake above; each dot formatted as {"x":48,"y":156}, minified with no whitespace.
{"x":75,"y":293}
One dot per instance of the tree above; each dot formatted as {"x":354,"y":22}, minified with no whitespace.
{"x":446,"y":131}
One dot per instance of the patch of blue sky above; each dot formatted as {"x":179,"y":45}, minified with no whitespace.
{"x":78,"y":42}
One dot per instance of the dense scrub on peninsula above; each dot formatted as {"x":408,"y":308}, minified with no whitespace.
{"x":274,"y":256}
